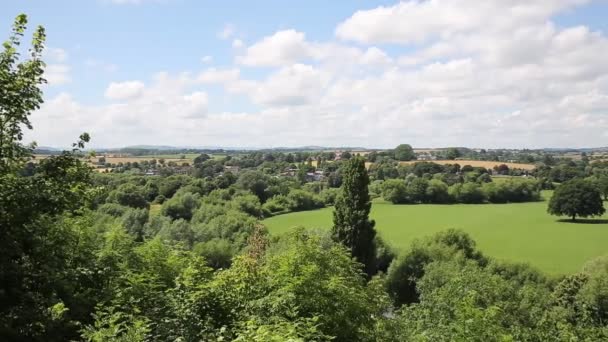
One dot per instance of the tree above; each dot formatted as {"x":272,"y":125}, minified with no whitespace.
{"x":404,"y":152}
{"x":452,"y":153}
{"x":20,"y":92}
{"x":129,"y":195}
{"x":352,"y":226}
{"x":576,"y":197}
{"x":181,"y":206}
{"x":201,"y":158}
{"x":394,"y":191}
{"x":256,"y":182}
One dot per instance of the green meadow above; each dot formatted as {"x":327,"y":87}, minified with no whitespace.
{"x":521,"y":232}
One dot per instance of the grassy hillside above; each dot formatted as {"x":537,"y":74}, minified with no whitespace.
{"x":516,"y":232}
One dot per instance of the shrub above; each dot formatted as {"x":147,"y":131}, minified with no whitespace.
{"x":302,"y":200}
{"x":394,"y":191}
{"x":181,"y":206}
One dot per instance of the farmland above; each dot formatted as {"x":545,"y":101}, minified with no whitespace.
{"x":521,"y":232}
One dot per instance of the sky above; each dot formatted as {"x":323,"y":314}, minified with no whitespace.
{"x":251,"y":74}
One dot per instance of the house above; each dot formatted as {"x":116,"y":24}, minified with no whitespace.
{"x":315,"y":176}
{"x":231,"y":169}
{"x":183,"y":170}
{"x":289,"y":172}
{"x":151,"y":172}
{"x":425,"y":156}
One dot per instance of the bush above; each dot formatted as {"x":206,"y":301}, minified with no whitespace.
{"x":302,"y":200}
{"x":113,"y":209}
{"x":512,"y":191}
{"x":278,"y":204}
{"x":437,"y":192}
{"x":384,"y":254}
{"x":248,"y":203}
{"x":394,"y":191}
{"x":217,"y":252}
{"x":328,"y":196}
{"x":134,"y":220}
{"x":181,"y":206}
{"x":416,"y":190}
{"x":129,"y":195}
{"x":405,"y":272}
{"x":466,"y":193}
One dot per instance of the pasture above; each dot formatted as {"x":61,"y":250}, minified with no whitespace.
{"x":521,"y":232}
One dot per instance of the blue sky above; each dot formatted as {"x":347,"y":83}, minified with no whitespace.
{"x":359,"y":73}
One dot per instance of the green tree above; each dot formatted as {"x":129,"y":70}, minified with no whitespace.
{"x":181,"y":206}
{"x":40,"y":245}
{"x":576,"y":197}
{"x":256,"y":182}
{"x":404,"y":152}
{"x":20,"y":92}
{"x":452,"y":153}
{"x":352,"y":226}
{"x":130,"y":195}
{"x":394,"y":191}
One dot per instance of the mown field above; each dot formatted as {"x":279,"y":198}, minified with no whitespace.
{"x":521,"y":232}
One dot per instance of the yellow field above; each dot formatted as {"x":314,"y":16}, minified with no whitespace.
{"x":477,"y":163}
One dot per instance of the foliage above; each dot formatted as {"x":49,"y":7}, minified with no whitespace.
{"x":20,"y":93}
{"x":404,"y":152}
{"x":181,"y":206}
{"x":352,"y":226}
{"x":405,"y":272}
{"x":576,"y":198}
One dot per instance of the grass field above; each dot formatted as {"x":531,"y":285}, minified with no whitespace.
{"x":517,"y":232}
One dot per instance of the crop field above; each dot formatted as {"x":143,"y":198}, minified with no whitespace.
{"x":478,"y":163}
{"x":521,"y":232}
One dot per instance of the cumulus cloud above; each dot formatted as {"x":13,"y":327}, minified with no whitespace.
{"x":124,"y":90}
{"x":213,"y":75}
{"x":417,"y":21}
{"x":479,"y":74}
{"x":293,"y":85}
{"x":57,"y":74}
{"x":163,"y":108}
{"x":283,"y":47}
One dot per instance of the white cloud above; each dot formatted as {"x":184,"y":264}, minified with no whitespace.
{"x":417,"y":21}
{"x":281,"y":48}
{"x":375,"y":56}
{"x":293,"y":85}
{"x":213,"y":75}
{"x":227,"y":31}
{"x":237,"y":44}
{"x":471,"y":77}
{"x":57,"y":74}
{"x":155,"y":116}
{"x":124,"y":90}
{"x":56,"y":55}
{"x":207,"y":59}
